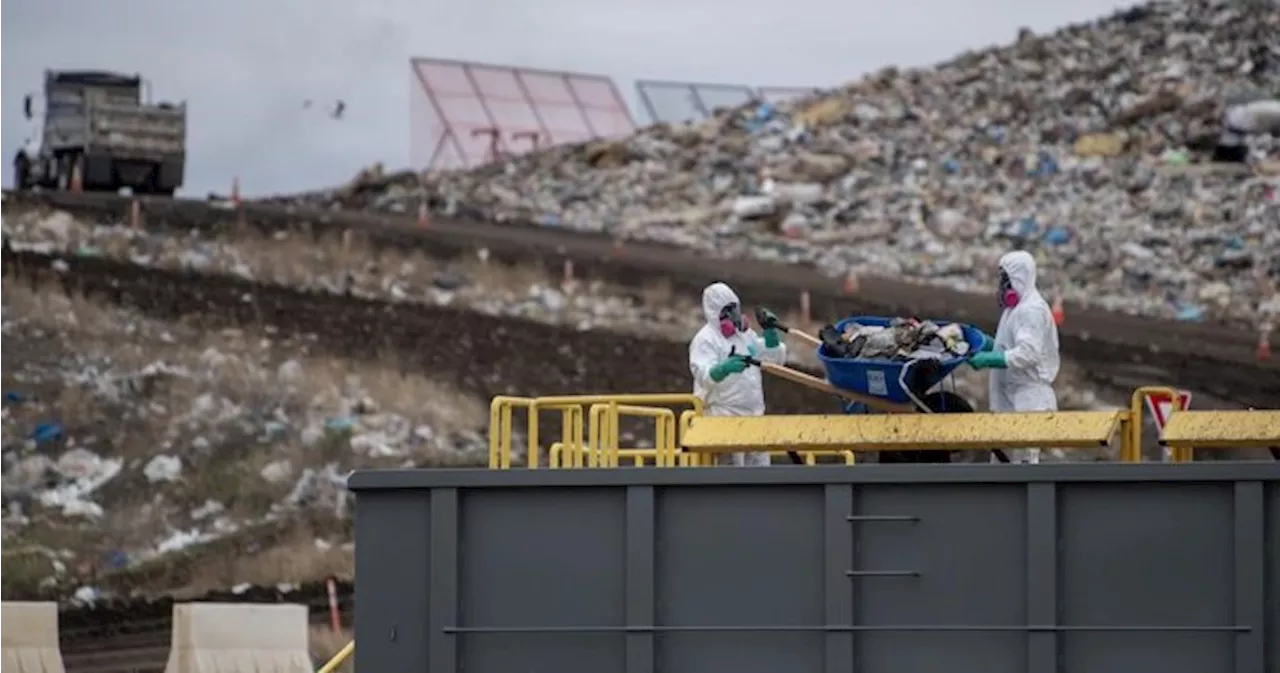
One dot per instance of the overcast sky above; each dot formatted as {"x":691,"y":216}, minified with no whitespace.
{"x":246,"y":66}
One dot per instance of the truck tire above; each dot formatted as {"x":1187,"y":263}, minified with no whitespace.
{"x":21,"y":172}
{"x":154,"y":186}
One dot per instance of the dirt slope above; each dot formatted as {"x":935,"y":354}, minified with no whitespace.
{"x":1204,"y":357}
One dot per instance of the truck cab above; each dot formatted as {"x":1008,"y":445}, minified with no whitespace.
{"x":99,"y":134}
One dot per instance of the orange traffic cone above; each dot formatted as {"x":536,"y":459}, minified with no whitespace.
{"x":1264,"y":346}
{"x":850,"y":283}
{"x":424,"y":219}
{"x":76,"y":183}
{"x":617,"y":247}
{"x":235,"y":191}
{"x":567,"y":280}
{"x":135,"y":214}
{"x":1059,"y":313}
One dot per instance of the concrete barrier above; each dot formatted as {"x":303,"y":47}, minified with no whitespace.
{"x":30,"y":638}
{"x":225,"y":637}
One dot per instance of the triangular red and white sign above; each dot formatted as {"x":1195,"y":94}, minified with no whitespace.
{"x":1161,"y":407}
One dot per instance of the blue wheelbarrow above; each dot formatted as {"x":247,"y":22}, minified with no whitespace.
{"x":890,"y":384}
{"x":885,"y":386}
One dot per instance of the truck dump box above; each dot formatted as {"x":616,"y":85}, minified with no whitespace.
{"x":1073,"y":568}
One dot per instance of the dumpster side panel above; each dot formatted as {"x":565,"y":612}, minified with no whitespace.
{"x":1146,"y":555}
{"x":1271,"y":565}
{"x":971,"y":569}
{"x":393,"y":562}
{"x":956,"y":563}
{"x":541,"y":580}
{"x":749,"y":562}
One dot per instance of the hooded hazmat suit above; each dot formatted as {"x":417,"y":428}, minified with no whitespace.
{"x":739,"y":394}
{"x":1028,"y":339}
{"x":1239,"y":122}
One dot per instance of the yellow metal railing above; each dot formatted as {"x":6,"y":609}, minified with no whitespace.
{"x":606,"y":409}
{"x":604,"y":445}
{"x":590,"y":431}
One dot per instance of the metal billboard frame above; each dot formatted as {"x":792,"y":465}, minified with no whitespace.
{"x":699,"y":92}
{"x":491,"y":108}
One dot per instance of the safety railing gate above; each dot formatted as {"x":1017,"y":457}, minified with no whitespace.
{"x":1069,"y":568}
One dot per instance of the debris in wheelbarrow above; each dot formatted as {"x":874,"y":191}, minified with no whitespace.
{"x":902,"y":339}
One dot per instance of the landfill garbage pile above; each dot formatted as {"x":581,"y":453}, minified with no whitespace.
{"x":900,"y":340}
{"x":1077,"y":145}
{"x":126,"y":437}
{"x":356,"y":269}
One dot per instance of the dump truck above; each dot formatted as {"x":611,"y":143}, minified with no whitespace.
{"x":99,"y":134}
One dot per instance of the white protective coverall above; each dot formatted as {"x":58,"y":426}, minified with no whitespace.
{"x":739,"y":394}
{"x":1260,"y":116}
{"x":1240,"y":121}
{"x":1028,"y":338}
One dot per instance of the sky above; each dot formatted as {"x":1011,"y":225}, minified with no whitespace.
{"x":245,"y":67}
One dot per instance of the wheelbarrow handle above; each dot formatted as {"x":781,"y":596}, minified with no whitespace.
{"x":733,"y":353}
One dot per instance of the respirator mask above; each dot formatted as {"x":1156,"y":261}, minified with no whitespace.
{"x":731,"y":321}
{"x":1008,"y":296}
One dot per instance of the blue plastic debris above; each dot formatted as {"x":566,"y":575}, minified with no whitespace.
{"x":46,"y":432}
{"x":1046,"y":165}
{"x":338,"y":423}
{"x":1027,"y":227}
{"x":1190,"y":313}
{"x":1057,"y":236}
{"x":13,"y":397}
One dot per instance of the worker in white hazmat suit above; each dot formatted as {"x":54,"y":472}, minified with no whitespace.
{"x":722,"y":378}
{"x":1023,"y":357}
{"x":1258,"y":117}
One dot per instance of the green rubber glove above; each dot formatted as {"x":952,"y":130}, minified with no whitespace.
{"x":767,"y":319}
{"x":988,"y":360}
{"x":734,"y":364}
{"x":771,"y":337}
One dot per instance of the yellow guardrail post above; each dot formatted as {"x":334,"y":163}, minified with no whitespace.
{"x":500,"y":412}
{"x":615,"y":434}
{"x":554,"y":453}
{"x":686,"y":419}
{"x":1131,"y":441}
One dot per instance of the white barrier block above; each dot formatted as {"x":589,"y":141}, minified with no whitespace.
{"x":30,"y":638}
{"x":235,"y":637}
